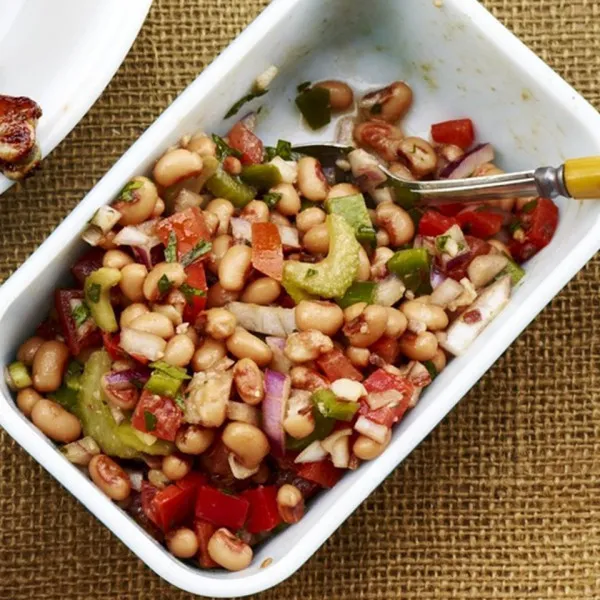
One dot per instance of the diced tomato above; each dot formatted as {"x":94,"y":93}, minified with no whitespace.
{"x":196,"y":278}
{"x":267,"y":251}
{"x":88,"y":263}
{"x":383,"y":416}
{"x":159,"y":413}
{"x":242,"y":139}
{"x":539,"y":221}
{"x":77,"y":338}
{"x":457,"y":267}
{"x":262,"y":514}
{"x":173,"y":506}
{"x":323,"y":473}
{"x":148,"y":493}
{"x":111,"y":345}
{"x":220,"y":509}
{"x":459,"y":132}
{"x":204,"y":531}
{"x":386,"y":348}
{"x":336,"y":366}
{"x":382,"y":381}
{"x":193,"y":480}
{"x":189,"y":227}
{"x":433,"y":223}
{"x":450,"y":209}
{"x":480,"y":224}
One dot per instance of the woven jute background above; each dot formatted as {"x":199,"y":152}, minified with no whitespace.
{"x":502,"y":501}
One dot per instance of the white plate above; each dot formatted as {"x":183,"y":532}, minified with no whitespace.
{"x":62,"y":54}
{"x":460,"y":62}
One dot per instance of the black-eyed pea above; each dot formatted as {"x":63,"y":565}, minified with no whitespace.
{"x":234,"y":268}
{"x":229,"y":551}
{"x":290,"y":503}
{"x":278,"y":219}
{"x":450,"y":152}
{"x":182,"y":542}
{"x":326,"y":317}
{"x":110,"y":477}
{"x":341,"y":96}
{"x":262,"y":291}
{"x":309,"y":218}
{"x":27,"y":350}
{"x":218,"y":296}
{"x":154,"y":323}
{"x":179,"y":350}
{"x":364,"y":266}
{"x":400,"y":170}
{"x":304,"y":346}
{"x":49,"y":364}
{"x":305,"y":378}
{"x":389,"y":104}
{"x":439,"y":360}
{"x":434,"y":317}
{"x":177,"y":165}
{"x":232,"y":165}
{"x":224,"y":210}
{"x":396,"y":323}
{"x":289,"y":204}
{"x":421,"y":347}
{"x":27,"y":399}
{"x":54,"y":421}
{"x":419,"y":154}
{"x":243,"y":344}
{"x":220,"y":323}
{"x":316,"y":239}
{"x":382,"y":238}
{"x":212,"y":222}
{"x":176,"y":467}
{"x":171,"y":312}
{"x":201,"y":144}
{"x":116,"y":259}
{"x":364,"y":324}
{"x":172,"y":273}
{"x":340,"y":190}
{"x":220,"y":245}
{"x":249,"y":444}
{"x":249,"y":381}
{"x":159,"y":208}
{"x":379,"y":136}
{"x":359,"y":357}
{"x":132,"y":281}
{"x":367,"y":449}
{"x":256,"y":211}
{"x":193,"y":439}
{"x":131,"y":313}
{"x":299,"y":425}
{"x":137,"y":201}
{"x":208,"y":354}
{"x":311,"y":180}
{"x":396,"y":222}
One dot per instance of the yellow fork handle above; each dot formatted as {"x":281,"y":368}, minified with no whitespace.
{"x":582,"y":177}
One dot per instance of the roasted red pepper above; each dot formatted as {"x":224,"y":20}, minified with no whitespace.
{"x":157,"y":415}
{"x":204,"y":531}
{"x":111,"y":345}
{"x":194,"y":480}
{"x":242,"y":139}
{"x":77,"y":337}
{"x":322,"y":473}
{"x":383,"y":381}
{"x":189,"y":227}
{"x":267,"y":251}
{"x":538,"y":221}
{"x":336,"y":366}
{"x":433,"y":223}
{"x":481,"y":224}
{"x":173,"y":506}
{"x":459,"y":132}
{"x":262,"y":514}
{"x":387,"y":348}
{"x":220,"y":509}
{"x":88,"y":263}
{"x":195,"y":292}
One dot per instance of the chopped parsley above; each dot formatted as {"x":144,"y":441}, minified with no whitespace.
{"x":376,"y":108}
{"x":80,"y":314}
{"x":224,"y":149}
{"x":190,"y":292}
{"x":127,"y":193}
{"x":164,"y":285}
{"x":271,"y":199}
{"x":93,"y":292}
{"x":529,"y":207}
{"x":303,"y":86}
{"x":441,"y":241}
{"x":200,"y":249}
{"x":283,"y":149}
{"x":247,"y":98}
{"x":171,"y":249}
{"x":150,"y":421}
{"x":311,"y":273}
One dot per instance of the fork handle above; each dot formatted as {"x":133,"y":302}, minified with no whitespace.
{"x":582,"y":177}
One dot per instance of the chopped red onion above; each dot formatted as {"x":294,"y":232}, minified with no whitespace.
{"x":436,"y":277}
{"x":128,"y":377}
{"x":274,"y":406}
{"x":312,"y":453}
{"x":280,"y":361}
{"x":467,"y":164}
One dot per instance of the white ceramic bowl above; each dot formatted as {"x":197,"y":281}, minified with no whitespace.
{"x":461,"y":62}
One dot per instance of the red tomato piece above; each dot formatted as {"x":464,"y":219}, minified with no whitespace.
{"x":193,"y":480}
{"x":336,"y":366}
{"x":459,"y":132}
{"x":220,"y":509}
{"x":196,"y":278}
{"x":539,"y":220}
{"x":383,"y":416}
{"x":88,"y":263}
{"x":386,"y":348}
{"x":382,"y":381}
{"x":148,"y":493}
{"x":322,"y":473}
{"x":111,"y":345}
{"x":242,"y":139}
{"x":157,"y":415}
{"x":204,"y":531}
{"x":77,"y":338}
{"x":267,"y":251}
{"x":173,"y":506}
{"x":433,"y":223}
{"x":189,"y":227}
{"x":451,"y":209}
{"x":262,"y":514}
{"x":480,"y":224}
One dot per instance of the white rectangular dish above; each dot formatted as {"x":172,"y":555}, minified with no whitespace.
{"x":460,"y":62}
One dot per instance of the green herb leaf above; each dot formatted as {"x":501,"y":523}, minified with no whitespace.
{"x":170,"y":370}
{"x":164,"y":285}
{"x":515,"y":225}
{"x":315,"y":106}
{"x":247,"y":98}
{"x":150,"y":421}
{"x":311,"y":273}
{"x":93,"y":292}
{"x":81,"y":313}
{"x":303,"y":86}
{"x":171,"y":249}
{"x":376,"y":109}
{"x":200,"y":249}
{"x":223,"y":148}
{"x":530,"y":206}
{"x":283,"y":149}
{"x":179,"y":400}
{"x":433,"y":373}
{"x":126,"y":194}
{"x":190,"y":292}
{"x":271,"y":199}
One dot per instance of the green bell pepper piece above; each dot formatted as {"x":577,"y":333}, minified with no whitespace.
{"x":354,"y":210}
{"x":333,"y":275}
{"x":97,"y":295}
{"x":261,"y":177}
{"x":223,"y":185}
{"x":315,"y":106}
{"x":331,"y":407}
{"x":97,"y":420}
{"x":412,"y":267}
{"x":67,"y":397}
{"x":359,"y":291}
{"x":514,"y":270}
{"x":19,"y":376}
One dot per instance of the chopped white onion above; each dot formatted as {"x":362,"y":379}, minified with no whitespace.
{"x":141,"y":343}
{"x":106,"y":218}
{"x":378,"y":400}
{"x":264,"y":80}
{"x":348,"y":389}
{"x":374,"y":431}
{"x":330,"y":441}
{"x":446,"y":292}
{"x":268,"y":320}
{"x":242,"y":232}
{"x":340,"y":453}
{"x":389,"y":291}
{"x":484,"y":268}
{"x":136,"y":478}
{"x":238,"y":470}
{"x":287,"y":168}
{"x":131,"y":236}
{"x":117,"y":413}
{"x":312,"y":453}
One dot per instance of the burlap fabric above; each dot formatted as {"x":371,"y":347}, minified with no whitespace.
{"x":502,"y":501}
